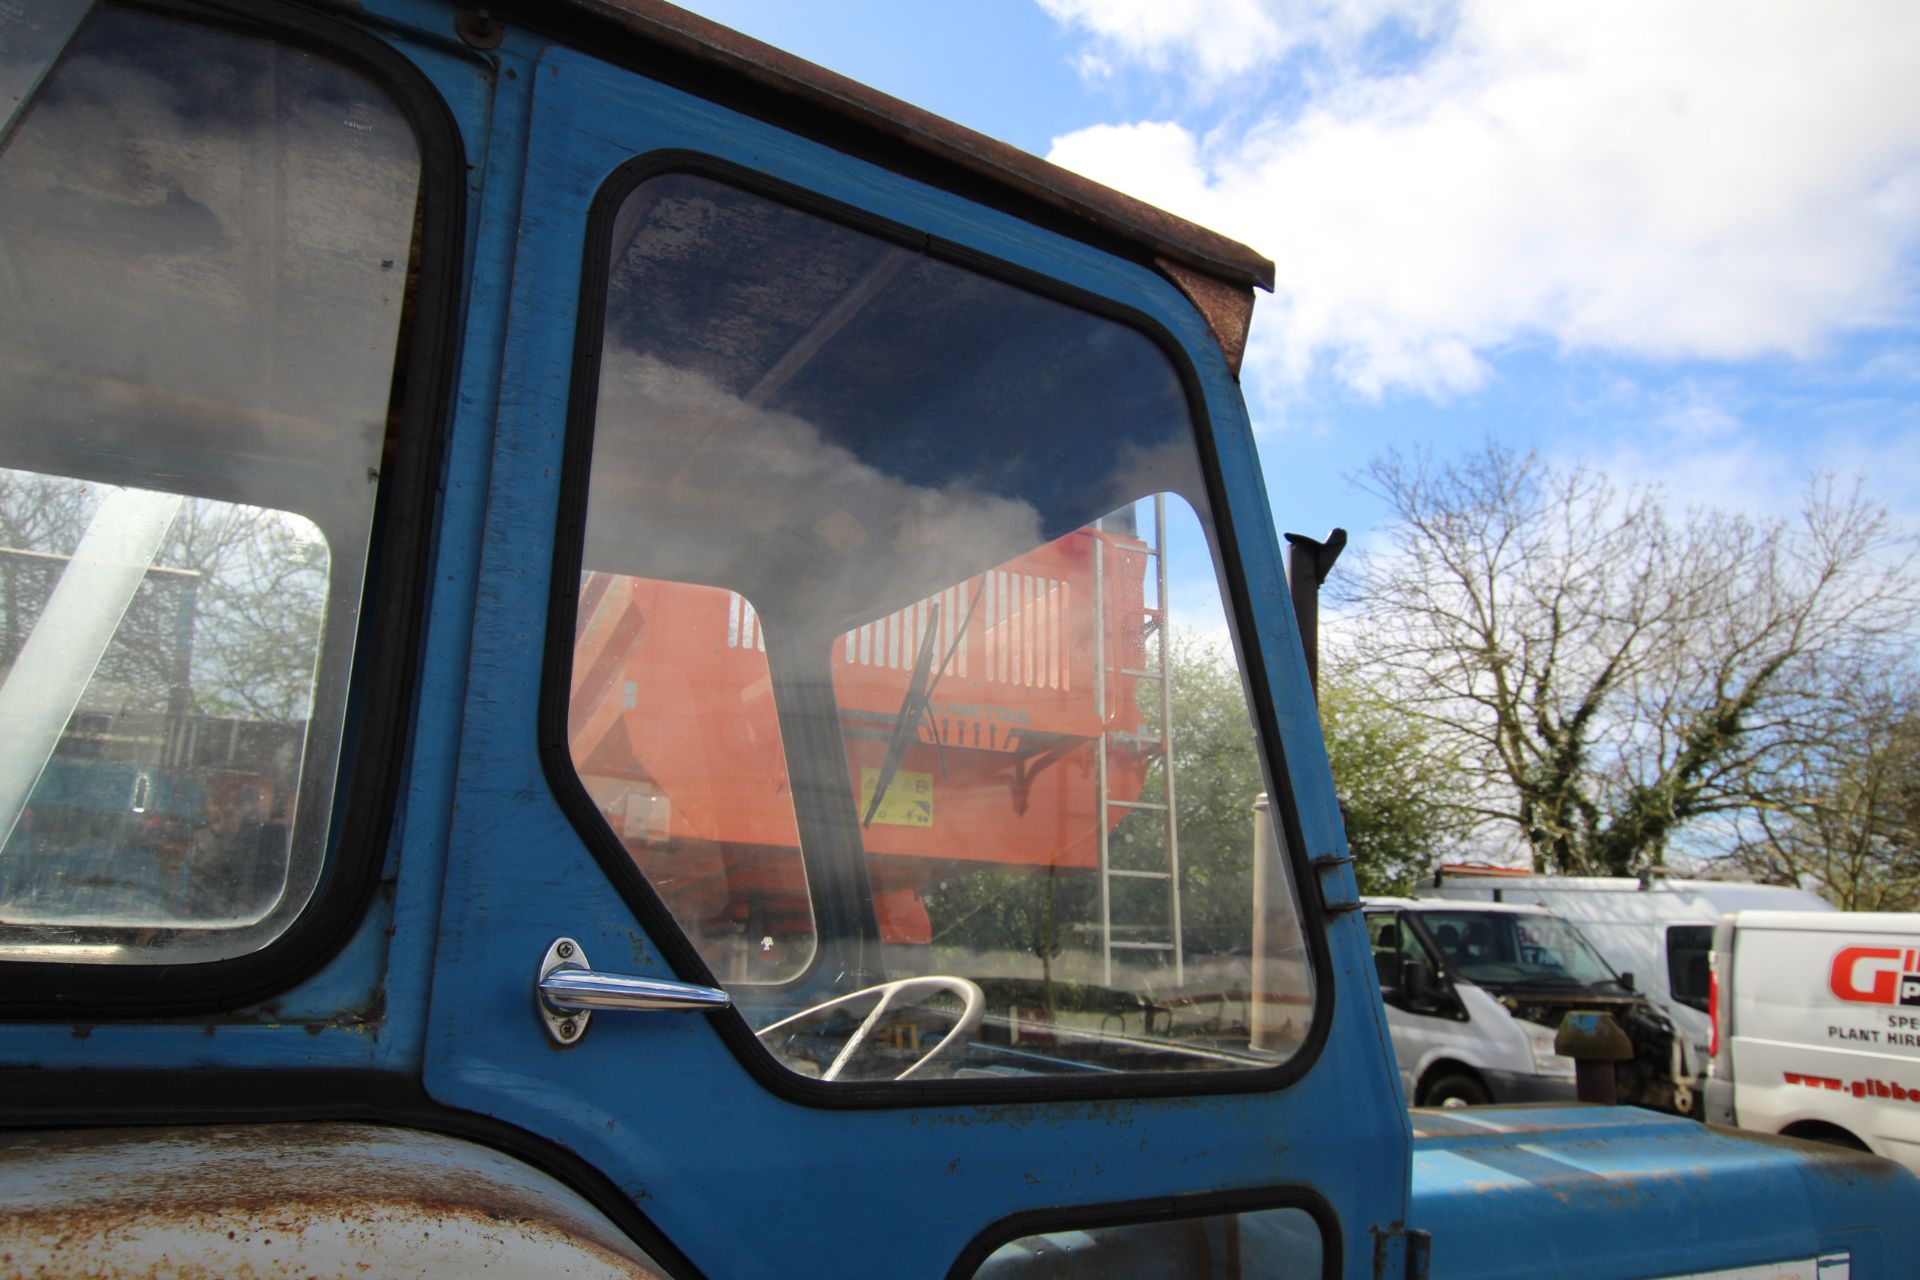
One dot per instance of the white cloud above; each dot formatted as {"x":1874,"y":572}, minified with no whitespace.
{"x":1695,"y":415}
{"x":1721,"y":475}
{"x":1712,"y":180}
{"x":1765,"y":478}
{"x":1216,"y":39}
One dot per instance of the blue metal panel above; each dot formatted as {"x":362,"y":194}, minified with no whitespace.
{"x":1591,"y":1193}
{"x":746,"y":1183}
{"x":493,"y":197}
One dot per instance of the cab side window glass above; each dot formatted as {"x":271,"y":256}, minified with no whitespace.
{"x":700,"y":801}
{"x":956,"y":777}
{"x":204,"y":246}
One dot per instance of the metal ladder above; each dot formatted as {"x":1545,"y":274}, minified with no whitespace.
{"x":1154,"y":624}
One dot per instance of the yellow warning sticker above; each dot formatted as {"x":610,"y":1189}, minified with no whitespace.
{"x":908,"y":802}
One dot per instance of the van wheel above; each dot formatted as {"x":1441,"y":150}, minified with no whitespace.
{"x":1455,"y":1089}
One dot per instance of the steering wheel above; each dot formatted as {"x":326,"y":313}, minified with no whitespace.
{"x":974,"y":1004}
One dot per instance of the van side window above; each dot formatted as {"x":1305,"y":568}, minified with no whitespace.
{"x":205,"y":241}
{"x":1383,"y":932}
{"x":1394,"y":943}
{"x":1689,"y":951}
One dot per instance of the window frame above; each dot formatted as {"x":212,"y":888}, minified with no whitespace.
{"x":397,"y":572}
{"x":652,"y":913}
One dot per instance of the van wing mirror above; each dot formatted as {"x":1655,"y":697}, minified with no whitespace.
{"x":1626,"y":980}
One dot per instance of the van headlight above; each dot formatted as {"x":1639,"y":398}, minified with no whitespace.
{"x":1545,"y":1061}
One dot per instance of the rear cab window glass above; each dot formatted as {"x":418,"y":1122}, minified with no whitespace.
{"x":921,"y":683}
{"x":205,"y":240}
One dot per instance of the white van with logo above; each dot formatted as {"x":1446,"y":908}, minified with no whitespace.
{"x":1475,"y":994}
{"x":1655,"y":931}
{"x":1817,"y":1028}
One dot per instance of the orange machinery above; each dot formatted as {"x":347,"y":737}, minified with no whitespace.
{"x":674,"y":733}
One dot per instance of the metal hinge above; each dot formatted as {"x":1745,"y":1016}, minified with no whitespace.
{"x":1336,"y":889}
{"x":1400,"y":1253}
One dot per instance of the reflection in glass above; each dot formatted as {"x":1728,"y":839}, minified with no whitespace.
{"x":993,"y":707}
{"x":157,"y":660}
{"x":674,"y":734}
{"x":1017,"y":744}
{"x":1272,"y":1244}
{"x":205,"y":243}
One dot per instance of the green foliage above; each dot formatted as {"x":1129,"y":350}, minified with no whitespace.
{"x":1401,"y":796}
{"x":1216,"y":779}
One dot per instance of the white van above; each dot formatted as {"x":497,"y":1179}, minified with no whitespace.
{"x":1818,"y":1022}
{"x":1655,"y":931}
{"x":1476,"y":992}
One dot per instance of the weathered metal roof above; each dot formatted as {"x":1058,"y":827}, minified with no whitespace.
{"x":1014,"y":172}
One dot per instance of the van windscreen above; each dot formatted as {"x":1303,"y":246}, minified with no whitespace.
{"x":1500,"y":948}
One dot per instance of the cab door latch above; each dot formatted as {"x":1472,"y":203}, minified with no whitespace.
{"x":567,"y":990}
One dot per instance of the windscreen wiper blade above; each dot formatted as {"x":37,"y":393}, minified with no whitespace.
{"x":906,"y":724}
{"x":918,"y":702}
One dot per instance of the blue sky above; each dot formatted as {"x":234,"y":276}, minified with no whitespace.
{"x":1681,"y":243}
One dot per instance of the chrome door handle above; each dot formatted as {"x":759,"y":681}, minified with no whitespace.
{"x":567,"y":990}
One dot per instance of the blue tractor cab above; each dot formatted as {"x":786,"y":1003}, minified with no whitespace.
{"x":619,"y":655}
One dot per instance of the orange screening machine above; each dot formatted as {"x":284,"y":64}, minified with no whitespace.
{"x":1026,"y":735}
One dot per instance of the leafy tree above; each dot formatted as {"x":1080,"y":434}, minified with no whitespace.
{"x":1397,"y":791}
{"x":227,"y":624}
{"x":1400,"y":794}
{"x":1217,"y":777}
{"x":1606,"y":675}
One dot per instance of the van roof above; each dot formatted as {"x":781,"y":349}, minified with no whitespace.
{"x":1661,"y":895}
{"x":1455,"y":904}
{"x":1504,"y":878}
{"x":1902,"y":922}
{"x":706,"y":58}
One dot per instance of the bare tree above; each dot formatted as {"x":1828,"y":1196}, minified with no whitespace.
{"x":1846,"y":811}
{"x":1605,"y":673}
{"x":227,"y":624}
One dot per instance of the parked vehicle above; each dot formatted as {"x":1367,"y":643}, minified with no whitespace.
{"x":1655,"y":931}
{"x":583,"y":690}
{"x":1475,"y":997}
{"x":1816,"y":1021}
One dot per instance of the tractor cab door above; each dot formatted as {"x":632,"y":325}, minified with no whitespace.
{"x":854,"y":856}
